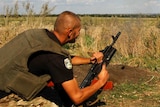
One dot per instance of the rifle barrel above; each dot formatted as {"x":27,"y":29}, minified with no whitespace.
{"x":115,"y":38}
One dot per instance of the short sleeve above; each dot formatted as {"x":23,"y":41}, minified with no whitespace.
{"x":60,"y":68}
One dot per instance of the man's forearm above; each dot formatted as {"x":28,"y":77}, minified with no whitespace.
{"x":80,"y":60}
{"x":79,"y":95}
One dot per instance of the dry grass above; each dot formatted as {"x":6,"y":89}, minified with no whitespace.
{"x":137,"y":45}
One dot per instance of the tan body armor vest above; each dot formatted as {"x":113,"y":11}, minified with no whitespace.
{"x":14,"y":55}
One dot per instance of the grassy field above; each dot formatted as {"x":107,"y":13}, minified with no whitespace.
{"x":141,"y":94}
{"x":137,"y":46}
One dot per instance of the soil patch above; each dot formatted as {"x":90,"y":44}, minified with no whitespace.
{"x":118,"y":73}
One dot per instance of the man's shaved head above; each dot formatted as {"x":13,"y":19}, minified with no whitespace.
{"x":66,"y":20}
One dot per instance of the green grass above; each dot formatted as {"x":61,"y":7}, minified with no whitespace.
{"x":141,"y":94}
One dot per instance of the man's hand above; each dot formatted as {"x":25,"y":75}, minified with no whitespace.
{"x":96,"y":57}
{"x":103,"y":76}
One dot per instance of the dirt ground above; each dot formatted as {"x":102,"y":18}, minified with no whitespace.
{"x":118,"y":74}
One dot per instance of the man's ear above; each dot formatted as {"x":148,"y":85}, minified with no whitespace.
{"x":69,"y":33}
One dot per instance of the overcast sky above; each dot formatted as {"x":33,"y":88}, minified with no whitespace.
{"x":89,"y":6}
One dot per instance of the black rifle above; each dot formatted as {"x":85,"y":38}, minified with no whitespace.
{"x":95,"y":69}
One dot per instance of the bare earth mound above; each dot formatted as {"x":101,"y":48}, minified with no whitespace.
{"x":118,"y":73}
